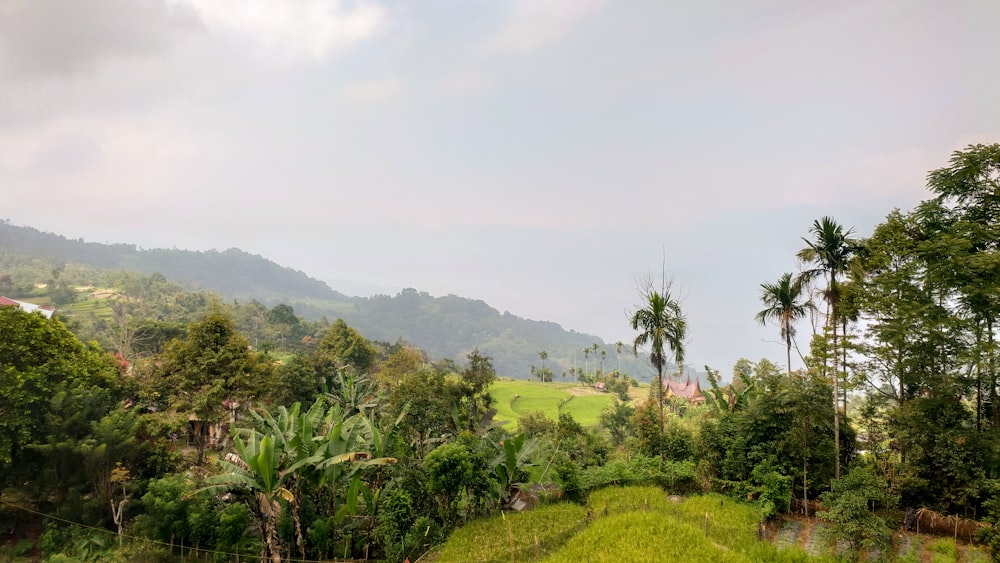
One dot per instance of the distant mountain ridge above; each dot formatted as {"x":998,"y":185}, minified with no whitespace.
{"x":445,"y":327}
{"x":234,"y":273}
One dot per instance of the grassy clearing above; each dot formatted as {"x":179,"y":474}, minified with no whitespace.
{"x":586,"y":409}
{"x":530,"y":534}
{"x":516,"y":398}
{"x":545,"y":399}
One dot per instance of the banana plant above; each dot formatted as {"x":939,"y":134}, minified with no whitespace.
{"x":512,"y":458}
{"x":295,"y":435}
{"x":258,"y":469}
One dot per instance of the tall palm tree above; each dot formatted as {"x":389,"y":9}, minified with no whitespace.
{"x":662,"y":326}
{"x":829,"y":253}
{"x":784,"y":303}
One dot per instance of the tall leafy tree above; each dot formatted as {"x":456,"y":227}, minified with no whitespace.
{"x":785,"y":302}
{"x":212,"y":370}
{"x":662,"y":326}
{"x":344,"y":346}
{"x":829,"y":252}
{"x":968,"y":192}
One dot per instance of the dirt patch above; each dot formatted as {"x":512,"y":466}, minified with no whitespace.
{"x":808,"y":533}
{"x":583,"y":391}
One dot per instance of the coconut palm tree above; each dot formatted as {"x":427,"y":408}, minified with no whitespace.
{"x":784,"y":303}
{"x":662,"y":326}
{"x":829,"y":253}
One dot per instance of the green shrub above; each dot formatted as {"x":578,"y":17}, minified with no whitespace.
{"x":395,"y":519}
{"x":23,"y":548}
{"x":230,"y":532}
{"x":422,"y":535}
{"x":567,"y":475}
{"x":774,"y":490}
{"x":679,"y":477}
{"x":848,"y":509}
{"x":53,"y":540}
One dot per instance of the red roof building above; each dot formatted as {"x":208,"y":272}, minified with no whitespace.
{"x":27,"y":307}
{"x":687,"y":390}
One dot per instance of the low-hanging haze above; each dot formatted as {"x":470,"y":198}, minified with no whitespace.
{"x":540,"y":155}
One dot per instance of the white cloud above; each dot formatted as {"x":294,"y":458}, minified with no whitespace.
{"x":534,"y":23}
{"x":467,"y":82}
{"x":84,"y":162}
{"x":299,"y":29}
{"x":367,"y":91}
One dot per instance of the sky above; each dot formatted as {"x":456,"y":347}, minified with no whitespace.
{"x":541,"y":155}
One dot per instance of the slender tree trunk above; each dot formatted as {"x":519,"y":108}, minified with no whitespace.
{"x":979,"y":378}
{"x":805,"y":488}
{"x":990,"y":362}
{"x":843,"y":364}
{"x":659,"y":396}
{"x":836,"y":394}
{"x":788,"y":352}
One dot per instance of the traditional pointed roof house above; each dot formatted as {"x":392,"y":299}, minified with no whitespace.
{"x":687,"y":390}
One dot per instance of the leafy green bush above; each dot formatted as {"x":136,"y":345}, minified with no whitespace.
{"x":679,"y":477}
{"x":23,"y":548}
{"x":849,"y":513}
{"x":567,"y":475}
{"x":395,"y":519}
{"x":774,"y":489}
{"x":449,"y":469}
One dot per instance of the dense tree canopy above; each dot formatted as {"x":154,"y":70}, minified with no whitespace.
{"x":39,"y":361}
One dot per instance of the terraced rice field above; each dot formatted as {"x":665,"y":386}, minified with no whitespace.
{"x":516,"y":398}
{"x":622,"y":524}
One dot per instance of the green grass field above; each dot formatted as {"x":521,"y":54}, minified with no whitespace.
{"x":528,"y":534}
{"x":622,"y":524}
{"x":515,"y":398}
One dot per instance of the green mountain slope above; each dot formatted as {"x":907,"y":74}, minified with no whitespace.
{"x":445,"y":327}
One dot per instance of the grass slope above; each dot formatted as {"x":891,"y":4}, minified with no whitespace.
{"x":624,"y":524}
{"x":642,"y":536}
{"x":527,"y":533}
{"x":516,"y":398}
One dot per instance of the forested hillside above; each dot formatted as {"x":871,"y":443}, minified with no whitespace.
{"x":233,"y":273}
{"x":445,"y":327}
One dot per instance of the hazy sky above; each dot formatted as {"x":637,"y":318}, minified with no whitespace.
{"x":538,"y":154}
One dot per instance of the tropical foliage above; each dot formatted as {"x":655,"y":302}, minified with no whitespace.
{"x":243,"y":430}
